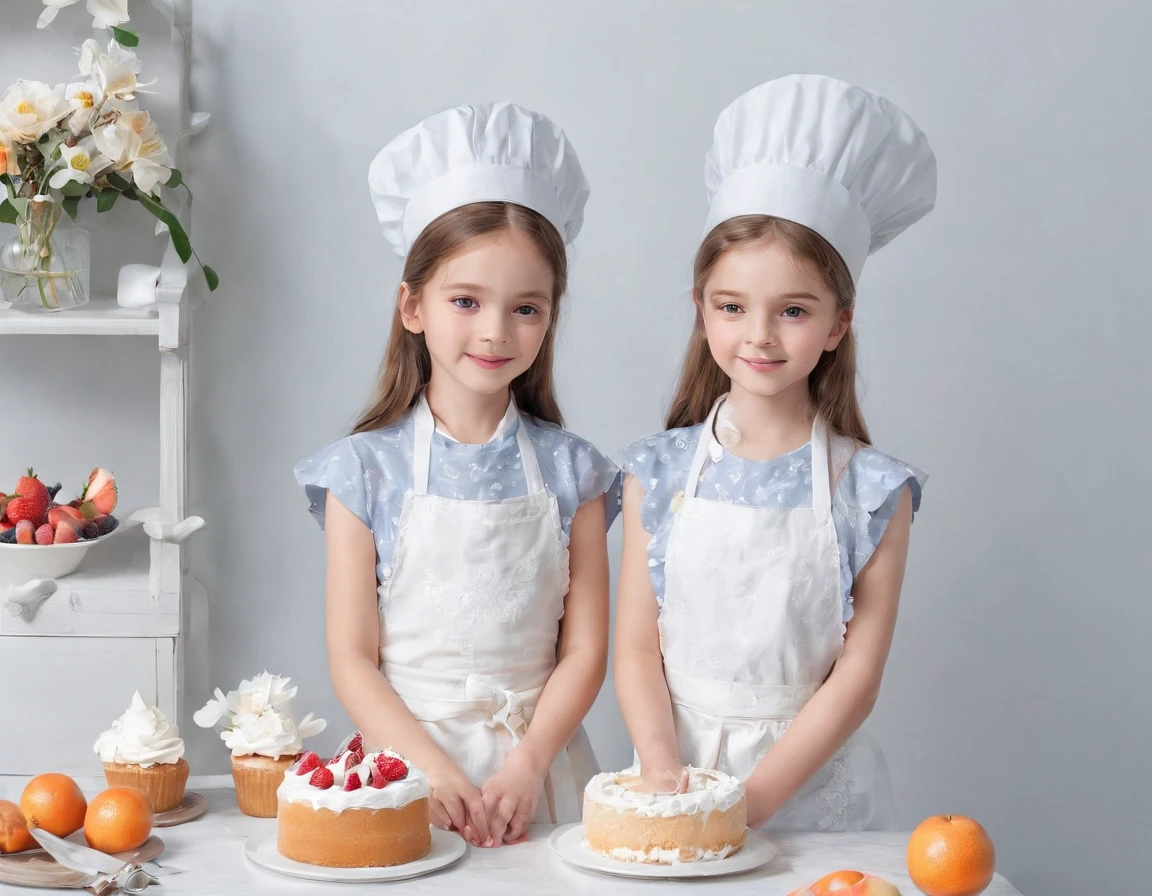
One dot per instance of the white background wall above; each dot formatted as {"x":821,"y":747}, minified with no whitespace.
{"x":1003,"y":344}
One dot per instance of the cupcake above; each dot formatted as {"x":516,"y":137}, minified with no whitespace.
{"x":263,"y":736}
{"x":143,"y":749}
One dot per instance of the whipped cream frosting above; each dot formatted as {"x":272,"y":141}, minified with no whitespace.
{"x":142,"y":736}
{"x":708,"y":790}
{"x":394,"y":795}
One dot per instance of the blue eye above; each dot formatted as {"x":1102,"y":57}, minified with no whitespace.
{"x":464,"y":302}
{"x":799,"y":312}
{"x":527,"y":310}
{"x":731,"y":308}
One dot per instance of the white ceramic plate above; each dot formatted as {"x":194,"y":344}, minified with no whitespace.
{"x":446,"y":849}
{"x":20,"y":563}
{"x":568,"y":843}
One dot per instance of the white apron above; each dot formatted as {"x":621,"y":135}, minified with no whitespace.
{"x":750,"y":627}
{"x":470,"y":621}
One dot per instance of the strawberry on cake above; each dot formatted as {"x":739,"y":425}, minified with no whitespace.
{"x":357,"y":810}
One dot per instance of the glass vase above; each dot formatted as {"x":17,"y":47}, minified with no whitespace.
{"x":45,"y":266}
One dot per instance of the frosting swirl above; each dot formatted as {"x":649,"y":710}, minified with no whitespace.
{"x":142,"y":736}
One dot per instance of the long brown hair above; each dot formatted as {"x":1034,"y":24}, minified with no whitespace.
{"x":831,"y":384}
{"x":407,"y":365}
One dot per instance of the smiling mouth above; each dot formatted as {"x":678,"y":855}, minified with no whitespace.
{"x":489,"y":362}
{"x":761,"y":363}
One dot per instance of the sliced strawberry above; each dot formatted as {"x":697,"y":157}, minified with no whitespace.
{"x":322,"y":778}
{"x":99,"y":498}
{"x":357,"y":742}
{"x":376,"y":779}
{"x":62,"y":511}
{"x":391,"y":767}
{"x":66,"y":533}
{"x":25,"y":532}
{"x":353,"y":782}
{"x":308,"y":762}
{"x":354,"y":758}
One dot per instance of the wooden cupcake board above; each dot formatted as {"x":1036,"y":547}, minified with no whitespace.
{"x":193,"y":806}
{"x":35,"y":868}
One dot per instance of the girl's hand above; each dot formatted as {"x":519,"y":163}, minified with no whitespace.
{"x":456,"y":804}
{"x":510,"y":798}
{"x":664,"y":777}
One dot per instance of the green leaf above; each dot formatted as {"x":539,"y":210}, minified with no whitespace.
{"x":175,"y":180}
{"x":116,"y":182}
{"x":74,"y":188}
{"x":71,"y":206}
{"x":8,"y":213}
{"x":179,"y":237}
{"x":6,"y":179}
{"x":212,"y":277}
{"x":105,"y":199}
{"x":21,"y":205}
{"x":126,"y":38}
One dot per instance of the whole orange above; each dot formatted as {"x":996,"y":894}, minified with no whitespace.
{"x":118,"y":819}
{"x":950,"y":855}
{"x":54,"y":802}
{"x":837,"y":880}
{"x":14,"y":836}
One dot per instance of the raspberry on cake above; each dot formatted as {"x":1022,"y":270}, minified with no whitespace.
{"x":356,"y":811}
{"x":706,"y":823}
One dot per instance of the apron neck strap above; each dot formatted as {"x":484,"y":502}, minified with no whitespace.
{"x":424,"y":425}
{"x":821,"y":471}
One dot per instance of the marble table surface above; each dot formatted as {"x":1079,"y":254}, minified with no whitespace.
{"x":209,"y":853}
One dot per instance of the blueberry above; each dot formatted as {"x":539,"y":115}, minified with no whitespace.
{"x":107,"y":524}
{"x":8,"y":536}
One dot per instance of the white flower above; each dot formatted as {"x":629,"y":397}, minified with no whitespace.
{"x":133,"y":142}
{"x":105,"y":13}
{"x":112,"y":73}
{"x":258,"y":717}
{"x":29,"y":109}
{"x":81,"y":163}
{"x":84,"y":98}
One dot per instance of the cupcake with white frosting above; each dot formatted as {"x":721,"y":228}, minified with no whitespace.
{"x":263,"y":736}
{"x":143,"y":749}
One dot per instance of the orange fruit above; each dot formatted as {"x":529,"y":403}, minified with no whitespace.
{"x":54,"y":802}
{"x":14,"y":836}
{"x":118,"y":819}
{"x":837,"y":880}
{"x":950,"y":855}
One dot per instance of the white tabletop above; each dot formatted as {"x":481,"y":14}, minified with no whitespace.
{"x":210,"y":854}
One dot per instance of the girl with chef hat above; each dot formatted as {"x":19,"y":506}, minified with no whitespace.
{"x":764,"y":538}
{"x":467,"y":595}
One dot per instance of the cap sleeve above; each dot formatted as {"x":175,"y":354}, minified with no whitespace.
{"x":660,"y":464}
{"x":868,"y":495}
{"x":339,"y":470}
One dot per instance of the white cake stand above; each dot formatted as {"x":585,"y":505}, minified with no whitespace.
{"x":446,"y":849}
{"x":568,"y":843}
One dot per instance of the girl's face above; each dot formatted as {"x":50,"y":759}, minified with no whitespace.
{"x":484,"y":311}
{"x":768,"y":318}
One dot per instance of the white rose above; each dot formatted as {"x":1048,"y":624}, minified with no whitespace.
{"x":29,"y":109}
{"x":105,"y":13}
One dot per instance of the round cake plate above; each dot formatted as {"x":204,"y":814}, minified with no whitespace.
{"x":193,"y":806}
{"x":568,"y":843}
{"x":446,"y":849}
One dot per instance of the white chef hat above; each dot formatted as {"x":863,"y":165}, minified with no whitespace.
{"x":843,"y":162}
{"x":490,"y":152}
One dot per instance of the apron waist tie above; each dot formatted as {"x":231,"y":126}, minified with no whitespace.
{"x":737,"y":700}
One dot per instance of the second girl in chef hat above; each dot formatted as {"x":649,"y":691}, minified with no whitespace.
{"x":467,"y":601}
{"x":765,"y":539}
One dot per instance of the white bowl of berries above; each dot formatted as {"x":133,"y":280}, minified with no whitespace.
{"x":40,"y":538}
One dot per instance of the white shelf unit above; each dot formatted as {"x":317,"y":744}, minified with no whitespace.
{"x":121,"y":621}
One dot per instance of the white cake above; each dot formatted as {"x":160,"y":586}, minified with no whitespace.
{"x":706,"y":823}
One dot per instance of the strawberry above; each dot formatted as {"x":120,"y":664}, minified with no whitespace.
{"x":57,"y":512}
{"x":29,"y":501}
{"x":357,"y":742}
{"x":376,"y":779}
{"x":308,"y":762}
{"x":353,"y":782}
{"x":392,"y":768}
{"x":25,"y":532}
{"x":45,"y":534}
{"x":354,"y":758}
{"x":322,"y":778}
{"x":4,"y":499}
{"x":5,"y":525}
{"x":99,"y":496}
{"x":66,"y":533}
